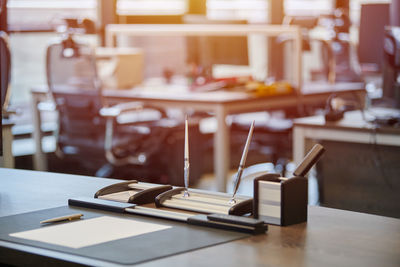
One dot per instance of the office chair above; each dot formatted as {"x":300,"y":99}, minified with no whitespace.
{"x":306,"y":23}
{"x":91,"y":131}
{"x":338,"y":62}
{"x":391,"y":66}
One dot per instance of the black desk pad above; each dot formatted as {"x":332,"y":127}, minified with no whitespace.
{"x":178,"y":239}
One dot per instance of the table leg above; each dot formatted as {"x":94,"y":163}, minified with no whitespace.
{"x":221,"y":149}
{"x":39,"y":158}
{"x":111,"y":39}
{"x":298,"y":144}
{"x":298,"y":42}
{"x":7,"y":158}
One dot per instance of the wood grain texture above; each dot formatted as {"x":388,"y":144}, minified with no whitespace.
{"x":331,"y":237}
{"x":24,"y":191}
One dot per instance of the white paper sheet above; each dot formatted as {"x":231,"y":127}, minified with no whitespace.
{"x":88,"y":232}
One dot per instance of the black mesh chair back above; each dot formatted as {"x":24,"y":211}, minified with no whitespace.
{"x":71,"y":66}
{"x":140,"y":148}
{"x":76,"y":90}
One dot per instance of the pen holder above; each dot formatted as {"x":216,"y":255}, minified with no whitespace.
{"x":280,"y":201}
{"x":132,"y":192}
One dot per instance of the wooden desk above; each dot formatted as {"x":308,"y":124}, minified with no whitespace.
{"x":7,"y":160}
{"x":220,"y":103}
{"x":330,"y":237}
{"x":352,"y":128}
{"x":360,"y":169}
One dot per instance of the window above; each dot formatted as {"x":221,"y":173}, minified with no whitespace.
{"x":250,"y":10}
{"x":151,"y":7}
{"x":31,"y":23}
{"x":39,"y":15}
{"x":308,"y":7}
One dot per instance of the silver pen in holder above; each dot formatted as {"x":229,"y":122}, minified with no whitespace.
{"x":242,"y":164}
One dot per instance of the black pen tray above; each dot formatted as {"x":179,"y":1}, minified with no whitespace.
{"x":132,"y":192}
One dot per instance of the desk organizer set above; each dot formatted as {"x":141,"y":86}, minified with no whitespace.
{"x":277,"y":200}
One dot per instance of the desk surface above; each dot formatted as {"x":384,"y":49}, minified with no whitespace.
{"x":361,"y":157}
{"x":353,"y":120}
{"x":354,"y":127}
{"x":181,"y":92}
{"x":330,"y":237}
{"x":178,"y":96}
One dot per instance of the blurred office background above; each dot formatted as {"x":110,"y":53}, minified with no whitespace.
{"x":355,"y":27}
{"x":32,"y":25}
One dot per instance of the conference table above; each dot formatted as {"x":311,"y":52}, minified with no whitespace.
{"x":219,"y":103}
{"x":331,"y":237}
{"x":7,"y":158}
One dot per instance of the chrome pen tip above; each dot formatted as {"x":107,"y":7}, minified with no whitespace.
{"x":232,"y":201}
{"x":186,"y":193}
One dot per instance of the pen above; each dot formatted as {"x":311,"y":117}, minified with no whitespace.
{"x":242,"y":163}
{"x":186,"y":160}
{"x":309,"y":160}
{"x":63,"y":218}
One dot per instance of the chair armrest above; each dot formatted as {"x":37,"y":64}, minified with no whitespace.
{"x":6,"y":113}
{"x":115,"y":111}
{"x":46,"y":106}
